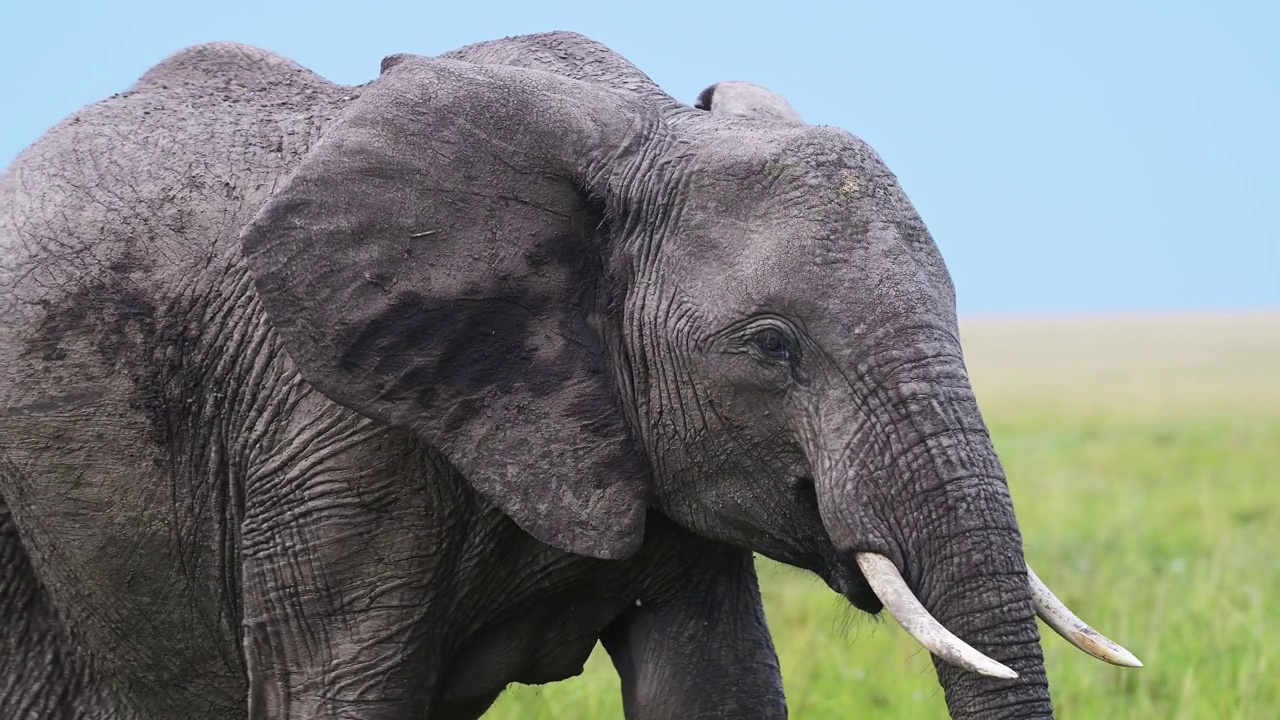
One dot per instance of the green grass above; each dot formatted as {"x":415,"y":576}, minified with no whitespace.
{"x":1143,"y":454}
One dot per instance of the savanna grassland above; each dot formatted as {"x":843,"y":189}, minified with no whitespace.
{"x":1143,"y":454}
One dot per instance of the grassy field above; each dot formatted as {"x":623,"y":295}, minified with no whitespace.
{"x":1144,"y":458}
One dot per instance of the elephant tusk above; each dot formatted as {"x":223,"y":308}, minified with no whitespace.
{"x":1065,"y":623}
{"x":887,"y":582}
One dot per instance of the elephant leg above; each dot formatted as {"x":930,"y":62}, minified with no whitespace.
{"x":698,"y":646}
{"x":338,"y":560}
{"x":42,"y":675}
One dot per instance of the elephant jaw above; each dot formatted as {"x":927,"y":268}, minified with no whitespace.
{"x":892,"y":590}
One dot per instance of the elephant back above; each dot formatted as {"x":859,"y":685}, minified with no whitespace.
{"x":121,"y":223}
{"x":156,"y":181}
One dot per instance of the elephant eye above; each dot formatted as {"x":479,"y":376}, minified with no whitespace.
{"x":772,"y":344}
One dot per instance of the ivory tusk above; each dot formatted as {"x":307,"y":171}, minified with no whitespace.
{"x":888,"y":585}
{"x":1065,"y":623}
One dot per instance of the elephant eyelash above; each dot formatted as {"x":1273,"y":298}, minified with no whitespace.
{"x":773,"y":344}
{"x":768,"y":339}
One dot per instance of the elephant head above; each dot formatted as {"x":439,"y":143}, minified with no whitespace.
{"x":597,"y":301}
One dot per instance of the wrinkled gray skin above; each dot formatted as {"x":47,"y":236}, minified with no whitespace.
{"x":366,"y":402}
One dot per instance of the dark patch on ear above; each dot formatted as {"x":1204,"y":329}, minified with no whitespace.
{"x":470,"y":343}
{"x":567,"y":252}
{"x":705,"y":98}
{"x":464,"y":410}
{"x":597,"y":413}
{"x":573,"y":250}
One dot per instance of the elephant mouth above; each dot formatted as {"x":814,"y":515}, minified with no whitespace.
{"x":872,"y":583}
{"x":854,"y":587}
{"x":839,"y":570}
{"x":880,"y":580}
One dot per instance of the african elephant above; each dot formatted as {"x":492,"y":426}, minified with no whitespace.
{"x":365,"y":402}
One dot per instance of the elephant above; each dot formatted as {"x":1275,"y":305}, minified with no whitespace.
{"x":368,"y":401}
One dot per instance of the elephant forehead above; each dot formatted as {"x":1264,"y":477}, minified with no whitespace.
{"x":832,"y":269}
{"x":797,"y":267}
{"x":817,"y":182}
{"x":808,"y":223}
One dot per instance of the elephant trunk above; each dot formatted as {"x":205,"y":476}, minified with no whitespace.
{"x":932,"y":528}
{"x":929,"y":519}
{"x":964,"y":562}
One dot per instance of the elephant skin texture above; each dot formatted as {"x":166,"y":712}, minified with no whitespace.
{"x":366,"y":402}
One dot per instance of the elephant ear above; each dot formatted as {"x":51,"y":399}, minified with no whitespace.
{"x":744,"y":99}
{"x":437,"y":263}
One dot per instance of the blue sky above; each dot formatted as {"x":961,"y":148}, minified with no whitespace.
{"x":1068,"y":157}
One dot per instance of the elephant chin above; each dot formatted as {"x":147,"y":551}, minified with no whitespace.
{"x":846,"y":578}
